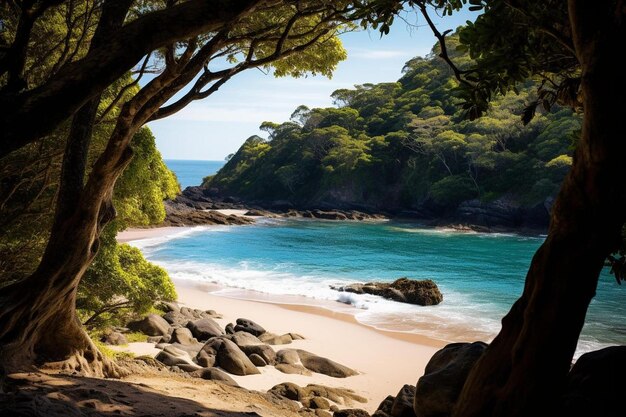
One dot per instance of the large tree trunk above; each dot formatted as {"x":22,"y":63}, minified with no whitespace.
{"x":523,"y":371}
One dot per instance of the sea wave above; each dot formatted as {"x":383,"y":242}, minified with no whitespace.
{"x":456,"y":319}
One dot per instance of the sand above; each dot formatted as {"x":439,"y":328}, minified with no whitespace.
{"x":147,"y":233}
{"x":385,"y":360}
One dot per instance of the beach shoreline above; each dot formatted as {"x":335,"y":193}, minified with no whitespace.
{"x":330,"y":329}
{"x":335,"y":335}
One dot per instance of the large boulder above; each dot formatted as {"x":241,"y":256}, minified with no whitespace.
{"x":151,"y":325}
{"x":595,"y":384}
{"x":245,"y":339}
{"x":228,"y":356}
{"x":324,"y":366}
{"x":183,"y":336}
{"x":264,"y":351}
{"x":245,"y":325}
{"x":438,"y":389}
{"x":173,"y":356}
{"x":297,"y":358}
{"x":405,"y":290}
{"x":204,"y":329}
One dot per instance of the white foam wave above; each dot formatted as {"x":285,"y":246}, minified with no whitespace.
{"x":457,"y":318}
{"x":146,"y":244}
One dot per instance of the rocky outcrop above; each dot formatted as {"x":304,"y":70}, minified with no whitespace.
{"x":179,"y":214}
{"x":151,"y":325}
{"x":595,"y":385}
{"x":503,"y":212}
{"x":405,"y":290}
{"x":438,"y":389}
{"x":284,"y":339}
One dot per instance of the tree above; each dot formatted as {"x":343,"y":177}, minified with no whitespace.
{"x":38,"y":317}
{"x":572,"y":47}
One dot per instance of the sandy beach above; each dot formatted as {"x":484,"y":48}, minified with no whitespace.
{"x":335,"y":335}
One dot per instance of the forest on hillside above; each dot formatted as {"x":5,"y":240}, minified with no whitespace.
{"x":406,"y":145}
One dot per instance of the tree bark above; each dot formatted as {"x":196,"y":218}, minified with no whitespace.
{"x":523,"y":371}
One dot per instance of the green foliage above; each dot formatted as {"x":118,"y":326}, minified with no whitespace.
{"x":146,"y":182}
{"x":120,"y":282}
{"x":404,"y":143}
{"x":450,"y":191}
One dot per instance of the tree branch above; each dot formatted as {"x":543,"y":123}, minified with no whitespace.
{"x":77,"y":82}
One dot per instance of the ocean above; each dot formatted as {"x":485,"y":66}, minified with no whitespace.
{"x":191,"y":173}
{"x":480,"y":275}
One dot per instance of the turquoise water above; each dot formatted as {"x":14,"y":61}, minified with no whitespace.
{"x":480,"y":275}
{"x":191,"y":172}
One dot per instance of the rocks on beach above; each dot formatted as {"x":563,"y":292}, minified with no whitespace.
{"x":405,"y":290}
{"x":191,"y":340}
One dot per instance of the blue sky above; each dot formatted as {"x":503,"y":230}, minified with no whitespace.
{"x":215,"y":127}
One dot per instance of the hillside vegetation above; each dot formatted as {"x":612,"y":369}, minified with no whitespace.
{"x":405,"y":146}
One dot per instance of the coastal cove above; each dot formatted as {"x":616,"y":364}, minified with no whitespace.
{"x":293,"y":262}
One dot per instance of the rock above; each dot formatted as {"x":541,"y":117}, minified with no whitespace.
{"x":384,"y":409}
{"x":228,"y":357}
{"x":192,"y":349}
{"x":264,"y":351}
{"x":154,"y":339}
{"x":405,"y":290}
{"x":318,"y":403}
{"x":595,"y":384}
{"x":257,"y":360}
{"x":273,"y":339}
{"x":173,"y":356}
{"x":204,"y":329}
{"x":230,"y":328}
{"x":292,"y":369}
{"x":176,"y":318}
{"x":151,"y":325}
{"x":288,"y":390}
{"x":288,"y":356}
{"x":323,"y":365}
{"x":179,"y":214}
{"x":187,"y":367}
{"x":114,"y":338}
{"x":215,"y":374}
{"x":245,"y":339}
{"x":403,"y":403}
{"x":292,"y":361}
{"x":322,"y":413}
{"x":249,"y":326}
{"x":168,"y":306}
{"x":183,"y":336}
{"x":165,"y":338}
{"x":206,"y":359}
{"x":438,"y":389}
{"x":296,"y":336}
{"x":329,"y":215}
{"x":351,"y":412}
